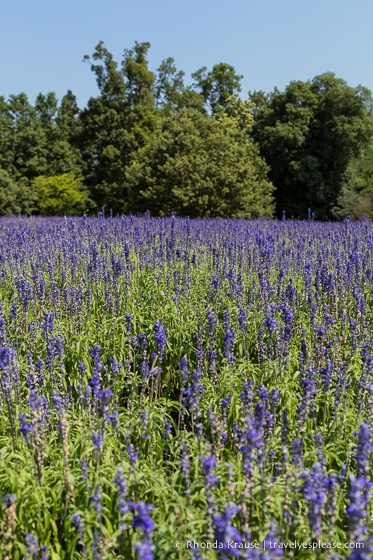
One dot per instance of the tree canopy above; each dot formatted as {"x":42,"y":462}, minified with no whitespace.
{"x":61,"y":195}
{"x":197,"y":166}
{"x":309,"y":135}
{"x":151,"y":141}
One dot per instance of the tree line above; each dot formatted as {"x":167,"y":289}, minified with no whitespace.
{"x":150,"y":142}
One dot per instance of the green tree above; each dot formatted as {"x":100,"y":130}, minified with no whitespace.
{"x":198,"y":166}
{"x":116,"y":123}
{"x":308,"y":135}
{"x":15,"y":196}
{"x":8,"y":194}
{"x":217,"y":85}
{"x":35,"y":139}
{"x":58,"y":127}
{"x":363,"y":167}
{"x":24,"y":138}
{"x":168,"y":85}
{"x":356,"y":197}
{"x":170,"y":92}
{"x":109,"y":80}
{"x":139,"y":79}
{"x":61,"y":195}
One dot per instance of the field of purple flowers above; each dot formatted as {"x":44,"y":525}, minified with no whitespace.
{"x":170,"y":381}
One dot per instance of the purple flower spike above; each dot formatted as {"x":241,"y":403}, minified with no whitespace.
{"x":142,"y":519}
{"x":314,"y":492}
{"x":226,"y":534}
{"x":160,"y":340}
{"x":25,"y":428}
{"x":144,"y":550}
{"x":364,"y":448}
{"x":98,"y":440}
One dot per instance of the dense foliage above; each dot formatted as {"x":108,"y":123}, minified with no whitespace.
{"x":197,"y":166}
{"x":306,"y":147}
{"x":174,"y":380}
{"x":60,"y":195}
{"x":309,"y":134}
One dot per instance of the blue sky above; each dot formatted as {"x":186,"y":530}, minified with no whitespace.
{"x":270,"y":42}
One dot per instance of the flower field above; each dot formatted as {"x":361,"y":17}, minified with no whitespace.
{"x":175,"y":388}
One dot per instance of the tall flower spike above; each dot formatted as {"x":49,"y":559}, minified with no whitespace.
{"x":143,"y":521}
{"x":225,"y":534}
{"x":32,"y":546}
{"x":363,"y":452}
{"x":356,"y":511}
{"x":160,"y":340}
{"x":314,"y":492}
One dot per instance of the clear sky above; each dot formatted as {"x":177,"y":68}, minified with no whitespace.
{"x":270,"y":42}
